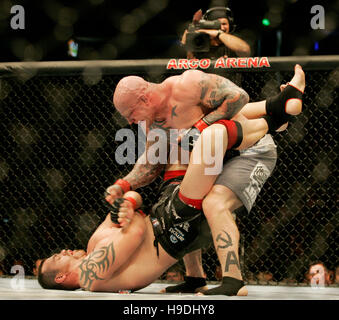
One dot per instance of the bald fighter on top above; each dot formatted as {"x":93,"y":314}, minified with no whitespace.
{"x":177,"y":103}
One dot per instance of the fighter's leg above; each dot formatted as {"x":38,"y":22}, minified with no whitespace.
{"x":239,"y":184}
{"x":202,"y":172}
{"x":276,"y":111}
{"x":193,"y":264}
{"x":195,"y":278}
{"x":211,"y":146}
{"x":283,"y":103}
{"x":218,"y":207}
{"x":252,"y":130}
{"x":206,"y":160}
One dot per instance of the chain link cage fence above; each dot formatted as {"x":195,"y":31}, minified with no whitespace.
{"x":57,"y":157}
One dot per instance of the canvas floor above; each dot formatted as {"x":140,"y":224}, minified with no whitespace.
{"x":29,"y":289}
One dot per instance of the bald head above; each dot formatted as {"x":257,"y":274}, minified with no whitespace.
{"x":128,"y":91}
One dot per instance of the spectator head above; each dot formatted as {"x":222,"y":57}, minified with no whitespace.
{"x":318,"y":274}
{"x":174,"y":274}
{"x":224,"y":15}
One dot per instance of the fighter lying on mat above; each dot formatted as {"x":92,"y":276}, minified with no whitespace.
{"x":135,"y":253}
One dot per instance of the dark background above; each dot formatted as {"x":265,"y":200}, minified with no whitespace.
{"x":57,"y":149}
{"x":152,"y":28}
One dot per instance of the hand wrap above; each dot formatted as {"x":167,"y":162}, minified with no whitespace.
{"x":123,"y":184}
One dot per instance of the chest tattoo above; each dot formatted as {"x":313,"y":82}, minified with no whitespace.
{"x":160,"y":124}
{"x":173,"y":114}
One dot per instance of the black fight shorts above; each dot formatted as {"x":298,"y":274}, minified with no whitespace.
{"x":178,"y":234}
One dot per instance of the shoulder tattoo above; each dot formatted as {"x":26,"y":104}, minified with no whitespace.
{"x":97,"y":263}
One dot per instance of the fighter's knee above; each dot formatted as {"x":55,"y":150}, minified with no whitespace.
{"x":208,"y":202}
{"x":219,"y":202}
{"x":218,"y":193}
{"x":215,"y":202}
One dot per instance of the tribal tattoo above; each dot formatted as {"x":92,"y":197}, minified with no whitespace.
{"x":97,"y":263}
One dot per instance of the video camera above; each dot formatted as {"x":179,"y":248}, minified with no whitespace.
{"x":200,"y":41}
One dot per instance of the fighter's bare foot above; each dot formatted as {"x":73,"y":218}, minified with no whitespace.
{"x":242,"y":292}
{"x":294,"y":106}
{"x":175,"y":290}
{"x":190,"y":285}
{"x":229,"y":287}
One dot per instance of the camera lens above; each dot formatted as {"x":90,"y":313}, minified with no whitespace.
{"x":199,"y":40}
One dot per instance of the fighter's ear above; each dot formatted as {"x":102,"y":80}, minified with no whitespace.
{"x":60,"y":277}
{"x":144,"y":98}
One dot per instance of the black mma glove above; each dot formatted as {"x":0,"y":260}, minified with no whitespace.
{"x":114,"y":209}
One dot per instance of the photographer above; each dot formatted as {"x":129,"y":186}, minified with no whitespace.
{"x":209,"y":36}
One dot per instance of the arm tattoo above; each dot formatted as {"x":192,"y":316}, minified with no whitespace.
{"x":98,"y":262}
{"x":204,"y":88}
{"x":225,"y":97}
{"x":143,"y":172}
